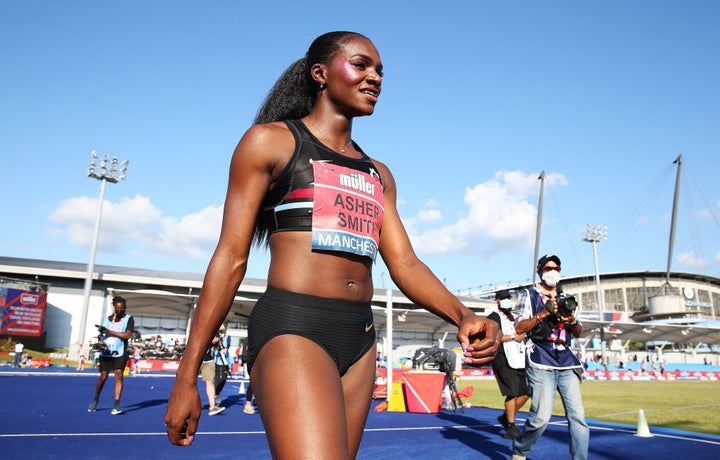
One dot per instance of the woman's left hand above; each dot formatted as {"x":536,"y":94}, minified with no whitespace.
{"x":479,"y":339}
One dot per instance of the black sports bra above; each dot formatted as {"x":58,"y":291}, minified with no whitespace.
{"x":289,"y":205}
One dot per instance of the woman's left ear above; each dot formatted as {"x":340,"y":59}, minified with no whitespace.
{"x":317,"y":72}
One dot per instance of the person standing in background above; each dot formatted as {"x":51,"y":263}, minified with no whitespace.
{"x":116,"y":330}
{"x":81,"y":358}
{"x":19,"y":347}
{"x":137,"y":355}
{"x":509,"y":363}
{"x":207,"y":374}
{"x":222,"y":355}
{"x":547,"y":315}
{"x":249,"y":403}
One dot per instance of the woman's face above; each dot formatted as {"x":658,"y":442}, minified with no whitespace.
{"x":354,"y":77}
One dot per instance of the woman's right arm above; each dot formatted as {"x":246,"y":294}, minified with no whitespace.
{"x":251,"y":172}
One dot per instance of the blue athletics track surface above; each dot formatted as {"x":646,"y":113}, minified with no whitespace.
{"x":43,"y":414}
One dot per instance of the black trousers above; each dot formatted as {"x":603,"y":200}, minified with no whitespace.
{"x":221,"y":375}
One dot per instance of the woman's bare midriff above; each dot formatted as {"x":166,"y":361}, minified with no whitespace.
{"x":296,"y":268}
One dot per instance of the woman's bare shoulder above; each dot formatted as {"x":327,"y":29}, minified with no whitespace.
{"x":266,"y":133}
{"x":267,"y":140}
{"x":387,"y":178}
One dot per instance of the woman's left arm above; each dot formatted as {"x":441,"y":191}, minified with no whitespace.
{"x":477,"y":336}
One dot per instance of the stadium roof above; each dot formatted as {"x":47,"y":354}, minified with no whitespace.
{"x":693,"y":332}
{"x":406,"y":316}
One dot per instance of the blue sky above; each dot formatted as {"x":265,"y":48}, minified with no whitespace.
{"x":478,"y":98}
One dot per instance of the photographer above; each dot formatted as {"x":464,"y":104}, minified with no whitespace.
{"x":222,"y":355}
{"x":112,"y":344}
{"x":548,"y":317}
{"x":207,"y":373}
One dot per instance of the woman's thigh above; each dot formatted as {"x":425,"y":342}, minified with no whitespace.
{"x":358,"y":384}
{"x":302,"y":399}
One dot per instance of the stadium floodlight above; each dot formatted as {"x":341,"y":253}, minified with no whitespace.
{"x":106,"y":173}
{"x":594,"y":234}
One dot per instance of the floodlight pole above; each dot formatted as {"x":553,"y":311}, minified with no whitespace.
{"x":594,"y":234}
{"x":538,"y":227}
{"x":388,"y":343}
{"x":113,"y":172}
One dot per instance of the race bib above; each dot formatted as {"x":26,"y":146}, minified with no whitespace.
{"x":347,"y":210}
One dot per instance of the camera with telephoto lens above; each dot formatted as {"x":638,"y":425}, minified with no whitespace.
{"x":566,"y":305}
{"x":97,"y":344}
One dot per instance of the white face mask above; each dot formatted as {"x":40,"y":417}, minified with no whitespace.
{"x":551,"y":278}
{"x":506,"y":304}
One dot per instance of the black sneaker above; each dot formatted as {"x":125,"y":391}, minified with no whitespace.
{"x":92,"y":406}
{"x":502,"y":419}
{"x":512,"y":432}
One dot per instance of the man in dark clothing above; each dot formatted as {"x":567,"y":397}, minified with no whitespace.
{"x":509,"y":364}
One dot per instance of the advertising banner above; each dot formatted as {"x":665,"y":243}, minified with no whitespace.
{"x":22,"y":312}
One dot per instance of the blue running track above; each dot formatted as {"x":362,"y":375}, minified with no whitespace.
{"x":43,"y":414}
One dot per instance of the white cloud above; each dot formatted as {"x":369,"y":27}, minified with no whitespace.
{"x":135,"y":225}
{"x":430,"y":215}
{"x":689,"y":259}
{"x":425,"y":215}
{"x":194,"y":235}
{"x":499,"y":217}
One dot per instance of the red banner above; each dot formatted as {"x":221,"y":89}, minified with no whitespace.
{"x":22,"y":312}
{"x":380,"y":391}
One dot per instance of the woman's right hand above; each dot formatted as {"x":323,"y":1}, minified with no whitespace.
{"x":183,"y":413}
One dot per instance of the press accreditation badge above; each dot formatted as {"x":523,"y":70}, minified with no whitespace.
{"x":347,"y":210}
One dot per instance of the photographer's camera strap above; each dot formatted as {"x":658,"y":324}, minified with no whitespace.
{"x":559,"y":334}
{"x":546,"y":330}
